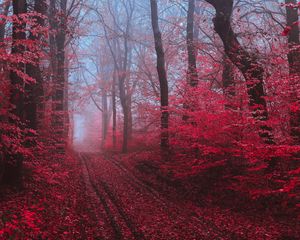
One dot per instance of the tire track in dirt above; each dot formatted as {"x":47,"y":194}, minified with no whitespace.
{"x":109,"y":200}
{"x":139,"y":184}
{"x":137,"y":210}
{"x":137,"y":234}
{"x":116,"y":230}
{"x":225,"y":234}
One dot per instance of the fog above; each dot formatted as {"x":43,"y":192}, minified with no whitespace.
{"x":115,"y":43}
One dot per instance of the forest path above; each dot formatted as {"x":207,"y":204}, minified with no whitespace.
{"x":127,"y":208}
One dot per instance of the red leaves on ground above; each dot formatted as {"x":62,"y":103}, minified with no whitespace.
{"x":52,"y":206}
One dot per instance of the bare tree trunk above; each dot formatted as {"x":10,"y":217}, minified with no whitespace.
{"x":190,"y":42}
{"x":4,"y":11}
{"x":34,"y":91}
{"x":122,"y":86}
{"x":104,"y":115}
{"x":66,"y":100}
{"x":52,"y":37}
{"x":162,"y":75}
{"x":114,"y":110}
{"x":14,"y":162}
{"x":58,"y":46}
{"x":124,"y":105}
{"x":130,"y":120}
{"x":116,"y":72}
{"x":228,"y":83}
{"x":252,"y":71}
{"x":53,"y":25}
{"x":294,"y":68}
{"x":3,"y":66}
{"x":121,"y":65}
{"x":192,"y":75}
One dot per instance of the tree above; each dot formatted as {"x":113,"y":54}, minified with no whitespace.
{"x":246,"y":62}
{"x":294,"y":66}
{"x":120,"y":50}
{"x":4,"y":11}
{"x":162,"y":76}
{"x":3,"y":67}
{"x":14,"y":161}
{"x":190,"y":41}
{"x":228,"y":82}
{"x":114,"y":110}
{"x":58,"y":22}
{"x":34,"y":90}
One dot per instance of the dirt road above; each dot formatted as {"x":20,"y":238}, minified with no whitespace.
{"x":125,"y":207}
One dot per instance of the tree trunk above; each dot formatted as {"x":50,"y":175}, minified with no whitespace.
{"x":52,"y":37}
{"x":121,"y":69}
{"x":4,"y":11}
{"x":3,"y":65}
{"x":104,"y":116}
{"x":228,"y":83}
{"x":114,"y":110}
{"x":14,"y":161}
{"x":130,"y":120}
{"x":125,"y":130}
{"x":190,"y":42}
{"x":252,"y":71}
{"x":66,"y":100}
{"x":124,"y":105}
{"x":123,"y":90}
{"x":192,"y":74}
{"x":58,"y":118}
{"x":162,"y":75}
{"x":34,"y":91}
{"x":294,"y":68}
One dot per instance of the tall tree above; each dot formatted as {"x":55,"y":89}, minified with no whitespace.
{"x":106,"y":68}
{"x":14,"y":161}
{"x":228,"y":82}
{"x":34,"y":91}
{"x":4,"y":11}
{"x":57,"y":44}
{"x":294,"y":66}
{"x":246,"y":62}
{"x":4,"y":8}
{"x":123,"y":80}
{"x":162,"y":75}
{"x":192,"y":63}
{"x":114,"y":110}
{"x":121,"y":52}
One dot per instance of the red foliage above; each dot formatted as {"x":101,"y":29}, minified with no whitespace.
{"x":53,"y":204}
{"x":286,"y":31}
{"x":12,"y":135}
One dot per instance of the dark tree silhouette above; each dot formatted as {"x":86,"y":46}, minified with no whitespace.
{"x":34,"y":91}
{"x":162,"y":75}
{"x":192,"y":63}
{"x":292,"y":19}
{"x":14,"y":162}
{"x":246,"y":62}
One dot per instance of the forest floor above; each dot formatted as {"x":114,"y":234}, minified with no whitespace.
{"x":98,"y":197}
